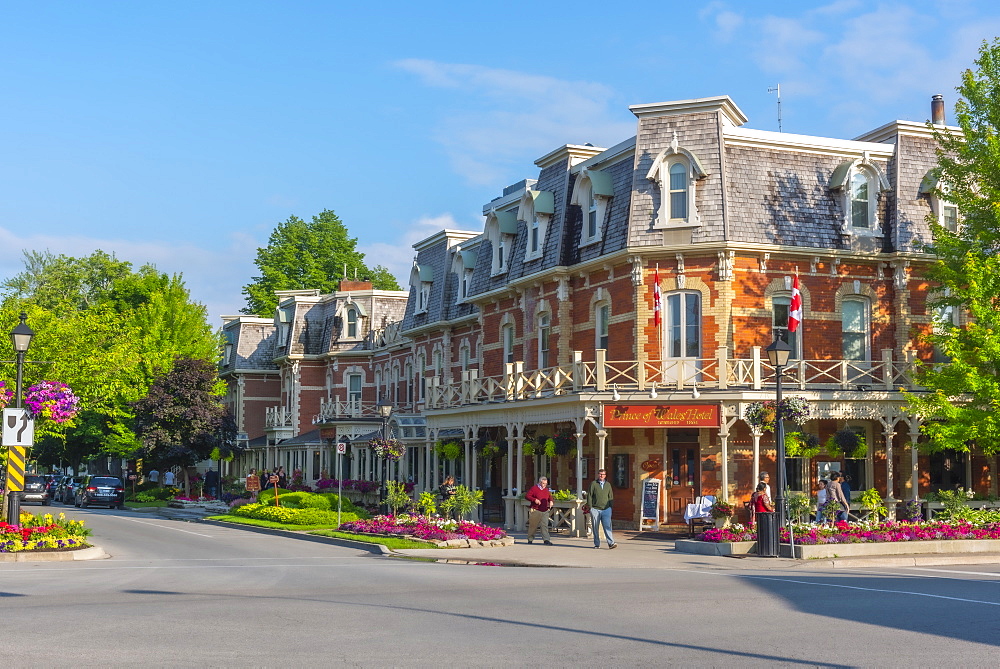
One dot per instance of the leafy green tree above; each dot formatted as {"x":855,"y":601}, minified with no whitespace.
{"x":308,"y":254}
{"x":963,"y":405}
{"x":182,"y":419}
{"x":107,"y":331}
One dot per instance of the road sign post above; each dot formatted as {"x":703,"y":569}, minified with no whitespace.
{"x":18,"y":435}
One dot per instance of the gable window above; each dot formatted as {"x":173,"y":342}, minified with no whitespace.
{"x":507,"y":337}
{"x":501,"y":228}
{"x":855,"y":316}
{"x":780,"y":304}
{"x":683,"y":325}
{"x":602,"y":320}
{"x":544,"y":330}
{"x":352,"y":323}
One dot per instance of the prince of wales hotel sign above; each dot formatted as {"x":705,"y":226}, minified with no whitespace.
{"x":661,"y":415}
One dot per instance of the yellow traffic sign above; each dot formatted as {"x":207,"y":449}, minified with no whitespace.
{"x":15,"y":468}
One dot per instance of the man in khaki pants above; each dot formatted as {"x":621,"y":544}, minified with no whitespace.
{"x":541,"y":505}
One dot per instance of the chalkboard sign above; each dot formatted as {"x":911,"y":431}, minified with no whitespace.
{"x":651,"y":501}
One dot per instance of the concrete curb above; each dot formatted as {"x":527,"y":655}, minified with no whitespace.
{"x":303,"y":536}
{"x":91,"y":553}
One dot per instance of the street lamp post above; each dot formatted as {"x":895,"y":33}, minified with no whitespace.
{"x":778,"y":354}
{"x":384,"y":412}
{"x":21,"y":337}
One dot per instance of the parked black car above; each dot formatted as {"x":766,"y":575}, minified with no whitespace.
{"x":66,"y":490}
{"x":51,"y":481}
{"x":34,"y":490}
{"x":100,"y":490}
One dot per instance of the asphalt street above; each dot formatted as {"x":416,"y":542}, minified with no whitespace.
{"x":189,"y":594}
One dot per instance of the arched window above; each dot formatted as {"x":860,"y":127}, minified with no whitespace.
{"x":544,"y":329}
{"x":859,"y":181}
{"x":507,"y":337}
{"x":855,"y":315}
{"x":602,"y":321}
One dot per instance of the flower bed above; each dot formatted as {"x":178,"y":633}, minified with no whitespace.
{"x":43,"y":533}
{"x":356,"y":485}
{"x":428,"y":529}
{"x":857,"y":533}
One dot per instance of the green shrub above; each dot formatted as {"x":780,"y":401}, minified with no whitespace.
{"x":345,"y":504}
{"x":267,"y":495}
{"x":310,"y":501}
{"x":290,"y":516}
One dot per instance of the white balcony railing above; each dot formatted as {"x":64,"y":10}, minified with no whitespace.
{"x":277,"y":417}
{"x":339,"y":409}
{"x":720,"y":372}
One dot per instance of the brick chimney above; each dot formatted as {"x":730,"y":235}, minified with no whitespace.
{"x":352,"y":286}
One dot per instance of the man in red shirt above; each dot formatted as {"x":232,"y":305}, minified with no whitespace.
{"x":541,"y":505}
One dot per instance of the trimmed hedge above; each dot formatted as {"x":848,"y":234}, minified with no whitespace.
{"x":290,"y":516}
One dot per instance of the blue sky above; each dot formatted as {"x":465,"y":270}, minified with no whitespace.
{"x":180,"y":133}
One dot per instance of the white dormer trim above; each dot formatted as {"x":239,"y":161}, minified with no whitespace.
{"x":597,"y":185}
{"x":659,"y":173}
{"x":535,"y":211}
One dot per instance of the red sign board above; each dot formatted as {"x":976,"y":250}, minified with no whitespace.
{"x":328,"y":433}
{"x":661,"y":415}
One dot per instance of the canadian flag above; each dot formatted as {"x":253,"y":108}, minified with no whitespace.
{"x":795,"y":307}
{"x":656,"y":297}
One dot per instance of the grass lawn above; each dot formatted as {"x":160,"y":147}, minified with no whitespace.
{"x":391,"y":543}
{"x":239,"y":520}
{"x":146,"y":505}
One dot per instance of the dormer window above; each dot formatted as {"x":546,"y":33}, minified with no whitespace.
{"x":592,"y":194}
{"x":861,"y":182}
{"x":463,"y":265}
{"x":501,"y":228}
{"x":943,"y":209}
{"x":421,"y":279}
{"x":352,"y":323}
{"x":535,"y":210}
{"x":675,"y":171}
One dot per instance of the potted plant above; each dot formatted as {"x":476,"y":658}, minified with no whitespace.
{"x":722,"y":512}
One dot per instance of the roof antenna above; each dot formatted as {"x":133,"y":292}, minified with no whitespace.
{"x":777,"y":89}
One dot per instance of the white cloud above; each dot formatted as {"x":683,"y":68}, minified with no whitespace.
{"x":215,"y":277}
{"x":506,"y":119}
{"x":398,"y":257}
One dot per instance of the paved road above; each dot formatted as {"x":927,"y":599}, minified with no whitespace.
{"x":188,"y":594}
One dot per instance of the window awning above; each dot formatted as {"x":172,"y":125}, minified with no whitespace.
{"x":426,"y":272}
{"x":929,"y":183}
{"x":543,"y":200}
{"x":468,"y":259}
{"x":600,"y":182}
{"x":839,"y":178}
{"x":507,"y":220}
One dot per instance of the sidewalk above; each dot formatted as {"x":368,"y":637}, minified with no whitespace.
{"x":653,"y":550}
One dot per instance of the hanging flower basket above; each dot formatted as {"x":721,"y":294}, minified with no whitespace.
{"x":450,"y":450}
{"x":53,"y":400}
{"x":6,"y":395}
{"x":802,"y":445}
{"x":387,"y":449}
{"x":763,"y":415}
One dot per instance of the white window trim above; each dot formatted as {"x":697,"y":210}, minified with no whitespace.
{"x":508,"y":342}
{"x":667,"y":313}
{"x":659,"y":174}
{"x":797,"y":350}
{"x":545,"y":315}
{"x":597,"y":324}
{"x":866,"y":320}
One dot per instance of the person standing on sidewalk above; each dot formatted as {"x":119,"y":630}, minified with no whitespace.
{"x":541,"y":505}
{"x":600,"y":497}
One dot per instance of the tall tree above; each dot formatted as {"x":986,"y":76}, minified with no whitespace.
{"x":963,"y":406}
{"x":300,"y":255}
{"x":182,"y":418}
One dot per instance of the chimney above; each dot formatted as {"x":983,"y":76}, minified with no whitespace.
{"x":937,"y":110}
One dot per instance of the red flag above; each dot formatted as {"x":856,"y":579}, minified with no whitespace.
{"x":656,"y":296}
{"x":795,"y":308}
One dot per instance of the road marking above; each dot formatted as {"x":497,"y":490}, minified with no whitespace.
{"x":959,"y":571}
{"x":163,"y":527}
{"x":850,"y":587}
{"x":220,"y":566}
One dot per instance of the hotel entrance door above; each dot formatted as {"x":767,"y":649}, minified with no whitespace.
{"x":683,"y":472}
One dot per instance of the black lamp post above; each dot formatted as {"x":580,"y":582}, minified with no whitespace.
{"x":778,"y":354}
{"x":384,"y":411}
{"x":21,"y":337}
